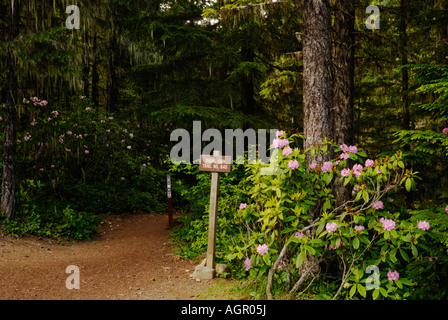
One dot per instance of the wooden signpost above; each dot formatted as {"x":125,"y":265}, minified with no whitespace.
{"x":214,"y":164}
{"x":170,"y":201}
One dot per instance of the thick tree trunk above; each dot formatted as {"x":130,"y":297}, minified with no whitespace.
{"x":343,"y":71}
{"x":343,"y":86}
{"x":317,"y":91}
{"x":404,"y":71}
{"x":9,"y":143}
{"x":317,"y":79}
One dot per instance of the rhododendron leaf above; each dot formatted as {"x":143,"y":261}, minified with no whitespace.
{"x":355,"y":242}
{"x":399,"y":284}
{"x":408,"y":184}
{"x":404,"y":255}
{"x":365,"y":196}
{"x":300,"y":259}
{"x":406,"y":282}
{"x":414,"y":251}
{"x":361,"y":289}
{"x":375,"y":294}
{"x":353,"y":290}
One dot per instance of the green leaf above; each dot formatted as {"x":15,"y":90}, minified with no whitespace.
{"x":375,"y":294}
{"x":355,"y":242}
{"x":310,"y":249}
{"x":406,"y":282}
{"x":353,"y":290}
{"x":398,"y":283}
{"x":404,"y":255}
{"x":383,"y":292}
{"x":365,"y":196}
{"x":408,"y":184}
{"x":414,"y":251}
{"x":300,"y":259}
{"x":361,"y":290}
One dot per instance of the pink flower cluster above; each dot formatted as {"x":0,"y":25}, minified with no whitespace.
{"x":293,"y":164}
{"x":388,"y":224}
{"x":359,"y":228}
{"x":327,"y":166}
{"x":36,"y":101}
{"x":330,"y":227}
{"x":247,"y":264}
{"x":423,"y":225}
{"x":342,"y":244}
{"x":280,"y":143}
{"x":352,"y":149}
{"x":262,"y":249}
{"x":393,"y":275}
{"x":377,"y":205}
{"x":445,"y":130}
{"x":243,"y":206}
{"x":357,"y":169}
{"x":369,"y":163}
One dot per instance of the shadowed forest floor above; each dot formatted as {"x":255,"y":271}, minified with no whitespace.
{"x":130,"y":258}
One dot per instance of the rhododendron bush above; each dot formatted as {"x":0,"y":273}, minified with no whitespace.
{"x":87,"y":159}
{"x":292,"y":219}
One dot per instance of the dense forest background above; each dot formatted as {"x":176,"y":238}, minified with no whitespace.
{"x":95,"y":106}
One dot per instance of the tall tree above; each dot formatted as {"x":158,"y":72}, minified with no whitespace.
{"x":9,"y":144}
{"x":343,"y":71}
{"x":317,"y":79}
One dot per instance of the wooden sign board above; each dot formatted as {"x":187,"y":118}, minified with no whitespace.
{"x":215,"y":163}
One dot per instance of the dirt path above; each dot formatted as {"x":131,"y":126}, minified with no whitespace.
{"x":131,"y":258}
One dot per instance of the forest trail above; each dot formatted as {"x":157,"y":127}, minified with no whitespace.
{"x":130,"y":258}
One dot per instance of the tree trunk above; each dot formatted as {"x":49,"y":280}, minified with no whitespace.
{"x":343,"y":71}
{"x":9,"y":143}
{"x":343,"y":86}
{"x":95,"y":76}
{"x":404,"y":71}
{"x":317,"y":91}
{"x":112,"y":84}
{"x":317,"y":80}
{"x":247,"y":83}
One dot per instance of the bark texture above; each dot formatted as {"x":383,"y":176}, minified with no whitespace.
{"x":317,"y":79}
{"x":10,"y":134}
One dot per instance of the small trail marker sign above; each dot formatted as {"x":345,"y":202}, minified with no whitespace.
{"x":170,"y":202}
{"x":214,"y":164}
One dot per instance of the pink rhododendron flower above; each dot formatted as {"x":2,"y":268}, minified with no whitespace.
{"x":357,"y":167}
{"x":379,"y":171}
{"x":287,"y":151}
{"x":369,"y":163}
{"x":445,"y":130}
{"x":247,"y":264}
{"x":327,"y":166}
{"x":314,"y":165}
{"x":446,"y":208}
{"x":298,"y":235}
{"x":359,"y":228}
{"x":293,"y":164}
{"x":352,"y":149}
{"x":122,"y":178}
{"x":279,"y":133}
{"x":330,"y":227}
{"x":344,"y":156}
{"x":393,"y":275}
{"x":388,"y":224}
{"x":423,"y":225}
{"x":86,"y":151}
{"x":243,"y":206}
{"x":345,"y":172}
{"x":377,"y":205}
{"x":342,"y":244}
{"x":69,"y":133}
{"x":262,"y":249}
